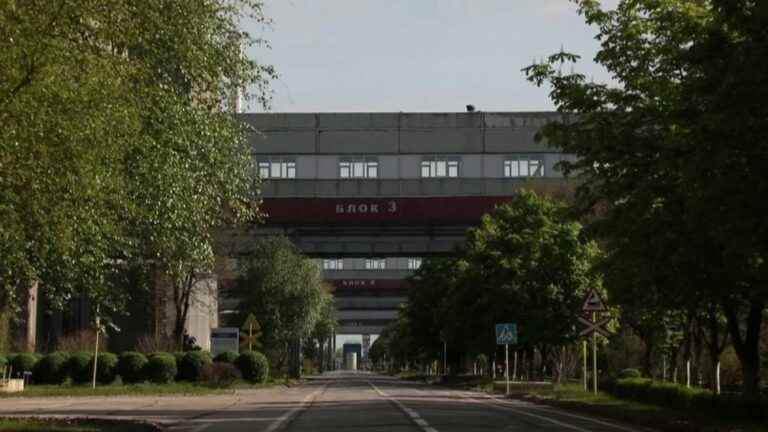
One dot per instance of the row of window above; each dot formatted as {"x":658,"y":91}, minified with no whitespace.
{"x":437,"y":167}
{"x":370,"y":264}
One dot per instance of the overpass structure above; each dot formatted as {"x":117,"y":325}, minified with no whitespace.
{"x":370,"y":194}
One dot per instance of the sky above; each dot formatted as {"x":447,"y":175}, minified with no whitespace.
{"x":416,"y":55}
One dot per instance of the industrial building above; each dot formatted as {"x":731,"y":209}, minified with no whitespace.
{"x":371,"y":194}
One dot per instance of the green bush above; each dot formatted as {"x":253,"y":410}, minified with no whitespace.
{"x":24,"y":362}
{"x":219,"y":374}
{"x":52,"y":369}
{"x":106,"y":368}
{"x":226,"y":357}
{"x":80,"y":367}
{"x":161,"y":368}
{"x":178,"y":355}
{"x":632,"y":388}
{"x":690,"y":399}
{"x":132,"y":367}
{"x":629,"y":373}
{"x":254,"y":366}
{"x":3,"y":361}
{"x":192,"y":365}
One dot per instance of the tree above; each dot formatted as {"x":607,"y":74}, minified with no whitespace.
{"x":115,"y":151}
{"x":526,"y":263}
{"x":284,"y":290}
{"x":680,"y":139}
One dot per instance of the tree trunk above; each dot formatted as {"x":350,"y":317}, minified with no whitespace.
{"x":182,"y":297}
{"x":747,"y":346}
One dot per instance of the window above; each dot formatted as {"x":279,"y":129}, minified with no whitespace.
{"x":333,"y":264}
{"x":524,"y":166}
{"x":414,"y":263}
{"x":440,"y":167}
{"x":277,"y":168}
{"x":375,"y":263}
{"x":361,"y":167}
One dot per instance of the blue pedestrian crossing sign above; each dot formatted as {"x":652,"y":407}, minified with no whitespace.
{"x":506,"y":334}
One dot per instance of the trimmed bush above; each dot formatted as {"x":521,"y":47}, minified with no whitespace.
{"x":24,"y":362}
{"x":226,"y":357}
{"x":629,"y":373}
{"x":254,"y":366}
{"x":161,"y":368}
{"x":132,"y":367}
{"x":106,"y":369}
{"x":52,"y":369}
{"x":219,"y":374}
{"x":178,"y":355}
{"x":80,"y":367}
{"x":192,"y":364}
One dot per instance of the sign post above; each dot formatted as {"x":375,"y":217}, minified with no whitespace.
{"x":506,"y":334}
{"x":593,"y":304}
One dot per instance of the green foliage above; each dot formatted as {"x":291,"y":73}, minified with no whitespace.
{"x":284,"y":289}
{"x":226,"y":357}
{"x":24,"y":362}
{"x":254,"y":366}
{"x":192,"y":364}
{"x":161,"y":368}
{"x":52,"y":369}
{"x":658,"y":154}
{"x":526,"y":263}
{"x":106,"y":368}
{"x":219,"y":374}
{"x":3,"y":361}
{"x":80,"y":367}
{"x":132,"y":366}
{"x":137,"y":162}
{"x":687,"y":399}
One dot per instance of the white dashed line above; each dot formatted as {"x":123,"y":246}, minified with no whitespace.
{"x":411,"y":413}
{"x":293,"y":412}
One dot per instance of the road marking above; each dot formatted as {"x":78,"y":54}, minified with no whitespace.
{"x":508,"y":405}
{"x":411,"y":413}
{"x":293,"y":412}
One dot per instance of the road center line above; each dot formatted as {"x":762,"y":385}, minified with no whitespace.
{"x":414,"y":416}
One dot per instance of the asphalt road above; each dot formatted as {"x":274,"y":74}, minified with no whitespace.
{"x":333,"y":402}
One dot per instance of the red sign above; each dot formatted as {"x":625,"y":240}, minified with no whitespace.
{"x":425,"y":210}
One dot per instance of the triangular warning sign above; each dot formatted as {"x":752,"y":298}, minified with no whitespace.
{"x":593,"y":303}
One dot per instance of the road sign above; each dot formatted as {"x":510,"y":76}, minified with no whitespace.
{"x":593,"y":302}
{"x":224,"y":339}
{"x":595,"y":326}
{"x":506,"y":334}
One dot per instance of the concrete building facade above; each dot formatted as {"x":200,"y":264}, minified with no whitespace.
{"x":369,"y":195}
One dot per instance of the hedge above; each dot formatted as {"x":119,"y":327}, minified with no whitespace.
{"x":80,"y":367}
{"x":683,"y":398}
{"x":254,"y":366}
{"x":106,"y":368}
{"x":52,"y":369}
{"x":192,"y":364}
{"x":24,"y":362}
{"x":161,"y":368}
{"x":226,"y":357}
{"x":132,"y":367}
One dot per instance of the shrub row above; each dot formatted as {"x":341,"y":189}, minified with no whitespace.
{"x":688,"y":399}
{"x":134,"y":367}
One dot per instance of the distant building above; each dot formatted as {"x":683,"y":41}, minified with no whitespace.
{"x":371,"y":194}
